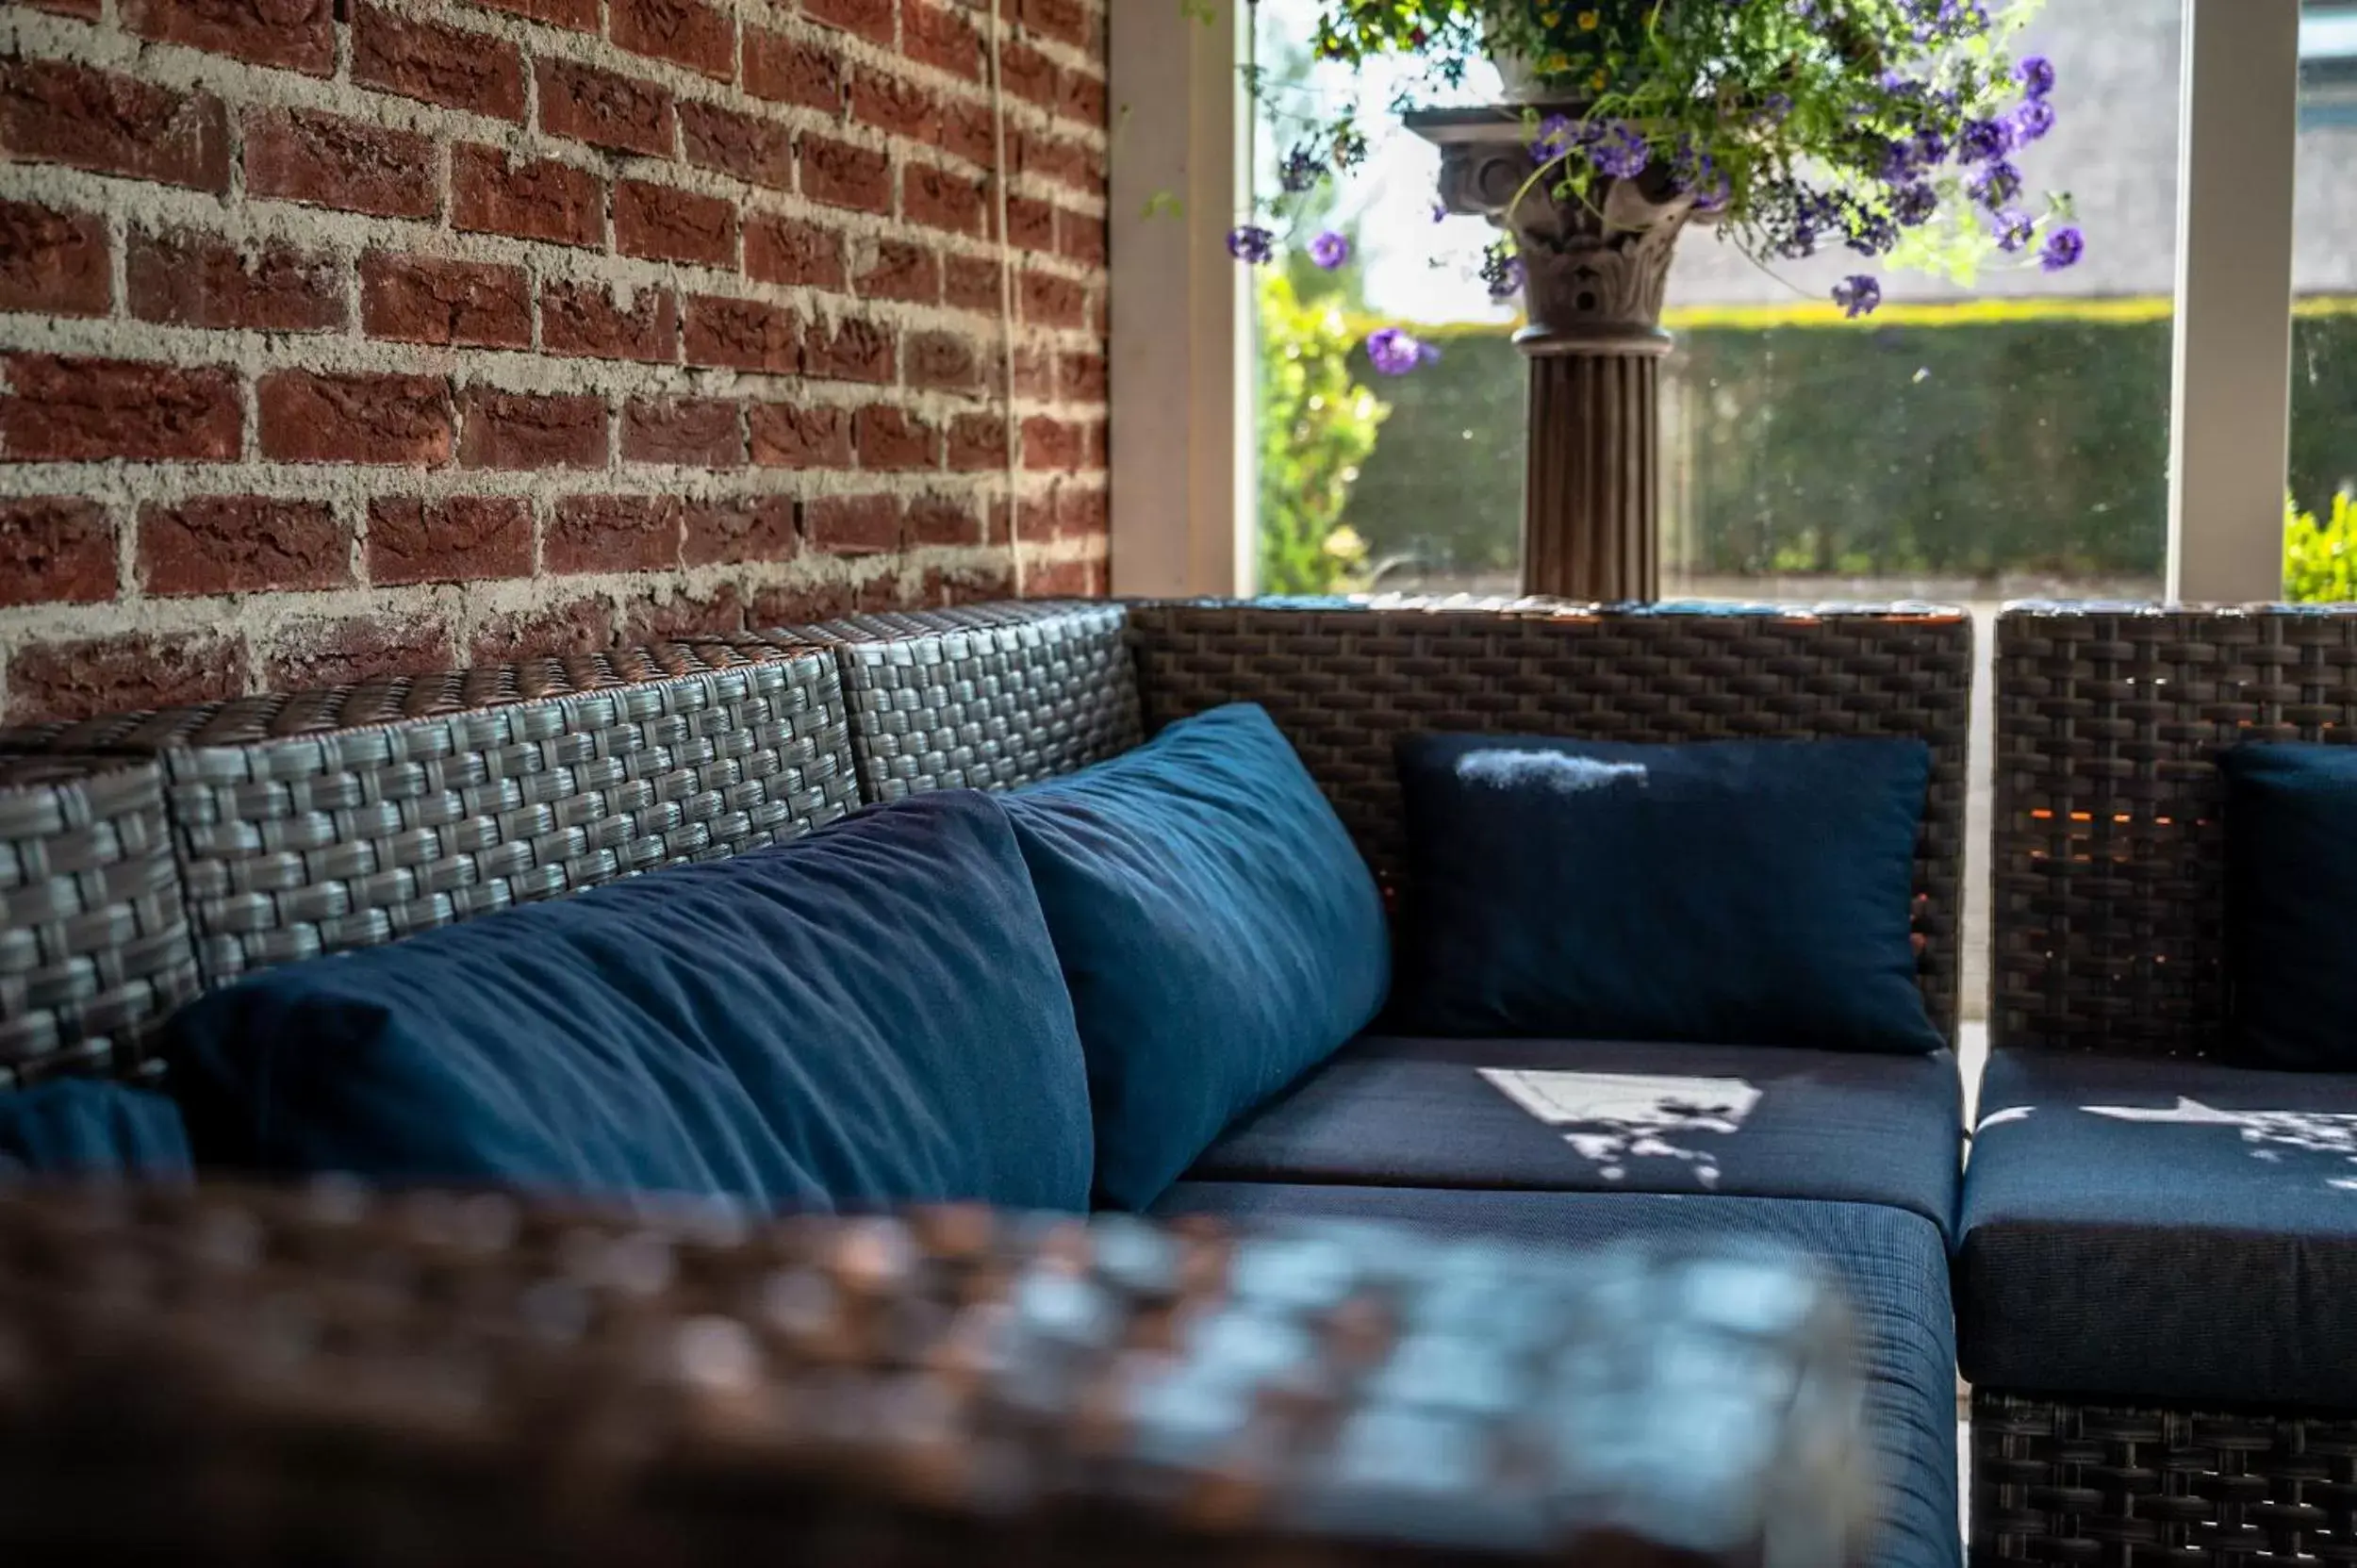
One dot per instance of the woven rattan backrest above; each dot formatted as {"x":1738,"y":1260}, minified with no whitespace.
{"x":2108,"y":916}
{"x":94,"y":945}
{"x":1346,"y":682}
{"x":983,"y":695}
{"x":325,"y":820}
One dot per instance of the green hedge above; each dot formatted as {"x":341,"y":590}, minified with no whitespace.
{"x":1953,"y":450}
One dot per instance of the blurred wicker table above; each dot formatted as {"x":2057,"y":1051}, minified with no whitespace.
{"x":235,"y":1375}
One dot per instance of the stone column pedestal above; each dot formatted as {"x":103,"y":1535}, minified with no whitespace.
{"x":1594,"y":278}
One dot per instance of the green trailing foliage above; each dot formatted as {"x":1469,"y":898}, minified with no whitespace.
{"x":2320,"y":553}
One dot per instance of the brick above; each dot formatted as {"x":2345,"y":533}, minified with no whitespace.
{"x":327,"y":161}
{"x":890,"y":439}
{"x":851,"y":349}
{"x":297,"y":35}
{"x":613,"y":532}
{"x":86,"y":677}
{"x":530,"y":198}
{"x":665,"y":613}
{"x":1034,"y":374}
{"x":755,"y":149}
{"x":55,"y":112}
{"x":1069,"y":163}
{"x":943,"y":521}
{"x":424,"y":299}
{"x":841,"y":174}
{"x":970,"y":131}
{"x":55,"y":549}
{"x":89,"y":11}
{"x":936,"y":35}
{"x":852,"y":524}
{"x":788,"y":251}
{"x":685,"y":32}
{"x":1065,"y":21}
{"x":1084,"y":99}
{"x":462,"y":539}
{"x":746,"y":528}
{"x":190,"y":279}
{"x":605,"y":109}
{"x":900,"y":270}
{"x":584,"y":319}
{"x":801,"y":603}
{"x":584,"y":625}
{"x":1081,"y":236}
{"x":310,"y":417}
{"x":873,"y":20}
{"x":530,"y":432}
{"x":311,"y":654}
{"x":971,"y":283}
{"x":1082,"y":378}
{"x":580,"y":15}
{"x":787,"y":70}
{"x":1046,"y":300}
{"x":977,"y":443}
{"x":241,"y":544}
{"x":895,"y":106}
{"x":99,"y":408}
{"x":53,"y":262}
{"x":939,"y":199}
{"x":450,"y":66}
{"x":744,"y":335}
{"x":1031,"y":225}
{"x":704,"y":433}
{"x":1030,"y":75}
{"x":665,"y":223}
{"x":792,"y":436}
{"x":972,"y":584}
{"x":943,"y":362}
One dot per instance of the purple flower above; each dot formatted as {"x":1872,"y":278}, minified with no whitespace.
{"x":1556,"y":137}
{"x":1393,"y":351}
{"x":1301,"y":170}
{"x":2015,"y":229}
{"x":1251,"y":243}
{"x":2036,"y":74}
{"x":1439,"y":212}
{"x":1857,"y":295}
{"x":1775,"y":107}
{"x":1621,"y":152}
{"x":1931,"y":149}
{"x":1996,"y":185}
{"x":1985,"y":140}
{"x":2063,"y":249}
{"x":1915,"y":204}
{"x":1503,"y":274}
{"x":1329,"y":250}
{"x":2033,"y":120}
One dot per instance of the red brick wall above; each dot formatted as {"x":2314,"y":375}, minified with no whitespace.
{"x":341,"y":336}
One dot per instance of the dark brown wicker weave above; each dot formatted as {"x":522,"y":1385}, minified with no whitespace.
{"x":324,"y":820}
{"x":1346,"y":682}
{"x":981,"y":697}
{"x":94,"y":945}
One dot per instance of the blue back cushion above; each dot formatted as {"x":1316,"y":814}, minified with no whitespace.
{"x":870,"y":1014}
{"x":2291,"y":889}
{"x":82,"y":1127}
{"x":1218,"y":930}
{"x":1720,"y":893}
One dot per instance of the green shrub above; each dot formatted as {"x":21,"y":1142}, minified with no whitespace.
{"x":1317,"y":426}
{"x":2320,"y":557}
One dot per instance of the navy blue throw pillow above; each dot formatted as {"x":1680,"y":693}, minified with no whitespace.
{"x":870,"y":1014}
{"x":86,"y":1127}
{"x":2291,"y":904}
{"x":1731,"y":893}
{"x":1219,"y":931}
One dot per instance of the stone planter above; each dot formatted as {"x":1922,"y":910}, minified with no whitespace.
{"x":1593,"y":280}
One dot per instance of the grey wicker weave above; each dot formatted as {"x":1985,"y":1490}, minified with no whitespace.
{"x":314,"y":822}
{"x":2108,"y":937}
{"x":94,"y":943}
{"x":981,"y":697}
{"x":1343,"y":681}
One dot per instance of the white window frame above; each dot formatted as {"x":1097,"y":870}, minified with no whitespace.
{"x":1182,"y":442}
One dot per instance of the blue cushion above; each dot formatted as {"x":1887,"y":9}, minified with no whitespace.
{"x":2291,"y":881}
{"x":83,"y":1127}
{"x":1565,"y":1116}
{"x":1219,"y":933}
{"x":870,"y":1014}
{"x":1893,"y":1265}
{"x":1751,"y":893}
{"x":2161,"y":1231}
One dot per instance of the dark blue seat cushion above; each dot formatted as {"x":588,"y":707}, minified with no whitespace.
{"x":82,"y":1127}
{"x":1219,"y":933}
{"x":1562,"y":1115}
{"x":1738,"y":893}
{"x":2161,"y":1231}
{"x":873,"y":1013}
{"x":2291,"y":883}
{"x":1893,"y":1265}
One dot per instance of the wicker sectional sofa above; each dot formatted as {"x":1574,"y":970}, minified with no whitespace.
{"x":146,"y":859}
